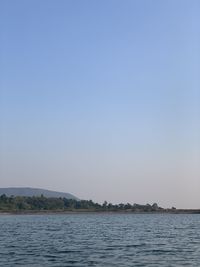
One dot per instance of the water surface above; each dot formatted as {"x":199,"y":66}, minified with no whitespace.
{"x":100,"y":240}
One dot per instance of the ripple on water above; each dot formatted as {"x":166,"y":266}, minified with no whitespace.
{"x":100,"y":240}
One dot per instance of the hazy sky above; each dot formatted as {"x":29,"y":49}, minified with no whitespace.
{"x":102,"y":99}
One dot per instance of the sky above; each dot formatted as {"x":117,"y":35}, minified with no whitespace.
{"x":101,"y":99}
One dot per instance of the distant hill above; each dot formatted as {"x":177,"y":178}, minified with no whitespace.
{"x":29,"y":192}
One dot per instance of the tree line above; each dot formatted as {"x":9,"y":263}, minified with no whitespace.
{"x":42,"y":203}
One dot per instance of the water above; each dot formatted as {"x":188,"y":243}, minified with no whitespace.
{"x":100,"y":240}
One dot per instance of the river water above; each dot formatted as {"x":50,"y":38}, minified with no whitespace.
{"x":102,"y":239}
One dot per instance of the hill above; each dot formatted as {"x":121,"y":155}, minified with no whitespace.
{"x":30,"y":192}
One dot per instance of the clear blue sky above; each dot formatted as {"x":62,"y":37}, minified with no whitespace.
{"x":101,"y":99}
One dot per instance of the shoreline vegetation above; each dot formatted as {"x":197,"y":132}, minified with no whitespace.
{"x":52,"y":205}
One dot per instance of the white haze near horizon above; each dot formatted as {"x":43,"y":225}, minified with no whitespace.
{"x":101,"y":99}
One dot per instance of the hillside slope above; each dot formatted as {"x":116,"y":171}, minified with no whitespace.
{"x":29,"y":192}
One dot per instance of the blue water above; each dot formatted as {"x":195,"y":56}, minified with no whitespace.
{"x":100,"y":240}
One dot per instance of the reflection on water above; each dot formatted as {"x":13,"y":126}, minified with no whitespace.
{"x":100,"y":240}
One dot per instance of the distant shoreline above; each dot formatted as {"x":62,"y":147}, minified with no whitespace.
{"x":57,"y":212}
{"x":54,"y":205}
